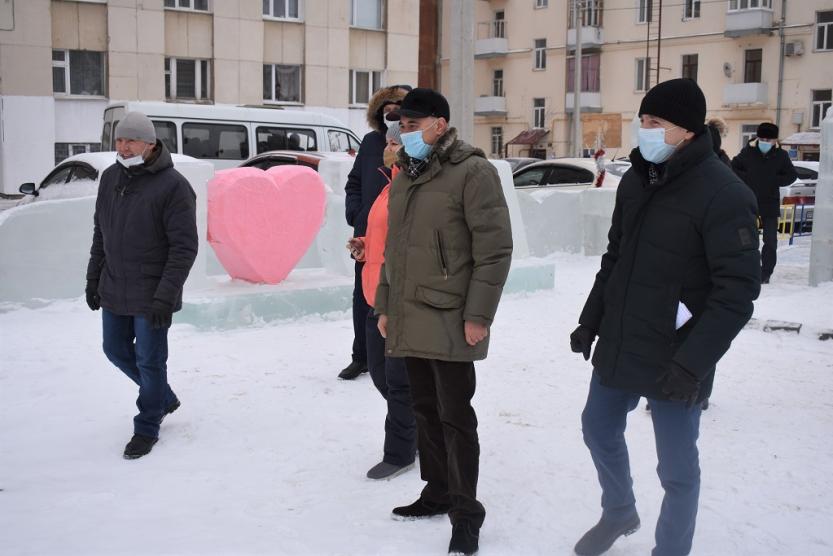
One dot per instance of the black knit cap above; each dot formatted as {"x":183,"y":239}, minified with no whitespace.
{"x":767,"y":131}
{"x":680,"y":101}
{"x":422,"y":103}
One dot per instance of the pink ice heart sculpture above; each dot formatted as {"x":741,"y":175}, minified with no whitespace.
{"x":260,"y":223}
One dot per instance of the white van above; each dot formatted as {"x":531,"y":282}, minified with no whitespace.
{"x":226,"y":135}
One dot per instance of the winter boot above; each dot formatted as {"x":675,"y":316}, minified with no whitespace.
{"x":353,"y":370}
{"x":140,"y":445}
{"x":602,"y":536}
{"x":464,"y":539}
{"x":420,"y":509}
{"x":170,"y":409}
{"x":385,"y":470}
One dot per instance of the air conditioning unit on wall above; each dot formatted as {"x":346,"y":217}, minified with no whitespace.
{"x":794,"y":48}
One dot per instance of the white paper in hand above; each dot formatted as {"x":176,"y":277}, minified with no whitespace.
{"x":683,"y":315}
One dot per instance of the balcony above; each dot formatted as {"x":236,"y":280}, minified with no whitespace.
{"x":590,"y":102}
{"x":591,"y":37}
{"x":490,"y":106}
{"x":751,"y":94}
{"x":491,"y":39}
{"x":753,"y":21}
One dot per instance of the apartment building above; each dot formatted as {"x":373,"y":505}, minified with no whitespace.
{"x":62,"y":61}
{"x":524,"y":59}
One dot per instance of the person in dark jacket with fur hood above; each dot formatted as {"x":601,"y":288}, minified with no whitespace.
{"x":675,"y":287}
{"x":766,"y":167}
{"x":364,"y":183}
{"x":144,"y":244}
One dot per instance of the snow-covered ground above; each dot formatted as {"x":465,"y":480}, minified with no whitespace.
{"x":268,"y":453}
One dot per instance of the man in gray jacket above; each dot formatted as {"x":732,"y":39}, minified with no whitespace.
{"x":447,"y":256}
{"x":144,"y":244}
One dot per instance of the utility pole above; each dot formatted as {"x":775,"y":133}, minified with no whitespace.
{"x":659,"y":37}
{"x":461,"y":64}
{"x":577,"y":133}
{"x":781,"y":64}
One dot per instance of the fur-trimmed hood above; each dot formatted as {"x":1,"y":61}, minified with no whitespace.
{"x":380,"y":98}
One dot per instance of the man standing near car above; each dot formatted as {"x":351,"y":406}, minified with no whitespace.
{"x":144,"y":244}
{"x":766,"y":168}
{"x":447,"y":256}
{"x":675,"y":287}
{"x":364,"y":183}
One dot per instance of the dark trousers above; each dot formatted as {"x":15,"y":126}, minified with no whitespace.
{"x":770,"y":245}
{"x":449,"y":450}
{"x":141,"y":352}
{"x":360,"y":309}
{"x":391,"y":379}
{"x":676,"y":429}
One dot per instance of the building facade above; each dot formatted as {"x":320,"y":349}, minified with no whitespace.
{"x":523,"y":67}
{"x":62,"y":61}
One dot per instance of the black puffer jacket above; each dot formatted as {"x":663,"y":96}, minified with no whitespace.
{"x":144,"y":236}
{"x":691,"y":237}
{"x":765,"y":174}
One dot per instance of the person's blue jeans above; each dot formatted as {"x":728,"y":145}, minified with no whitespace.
{"x":141,"y":352}
{"x":676,"y":429}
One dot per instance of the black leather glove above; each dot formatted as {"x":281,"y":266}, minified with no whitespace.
{"x":680,"y":385}
{"x":581,"y":340}
{"x":161,"y":314}
{"x":91,"y":292}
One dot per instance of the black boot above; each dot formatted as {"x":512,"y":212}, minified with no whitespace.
{"x":170,"y":409}
{"x":420,"y":510}
{"x":354,"y":369}
{"x":464,"y":539}
{"x":602,"y":536}
{"x":140,"y":445}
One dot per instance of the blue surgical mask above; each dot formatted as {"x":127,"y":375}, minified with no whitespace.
{"x":764,"y":146}
{"x":415,"y":145}
{"x":132,"y":161}
{"x":652,"y":144}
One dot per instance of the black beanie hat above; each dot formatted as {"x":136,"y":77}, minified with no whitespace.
{"x":680,"y":101}
{"x":767,"y":131}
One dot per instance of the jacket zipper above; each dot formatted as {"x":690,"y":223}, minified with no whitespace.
{"x":441,"y":251}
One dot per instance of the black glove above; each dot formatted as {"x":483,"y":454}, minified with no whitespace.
{"x":91,"y":292}
{"x":581,"y":340}
{"x":680,"y":385}
{"x":161,"y":314}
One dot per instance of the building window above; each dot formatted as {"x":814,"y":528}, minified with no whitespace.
{"x":749,"y":4}
{"x":64,"y":150}
{"x":590,"y":73}
{"x":499,"y":25}
{"x":78,"y":72}
{"x":497,"y":84}
{"x":538,"y":4}
{"x":752,"y":62}
{"x":644,"y":11}
{"x":747,"y":133}
{"x":497,"y":141}
{"x":822,"y":100}
{"x":591,"y":14}
{"x":281,"y":9}
{"x":363,"y":84}
{"x":824,"y":30}
{"x":199,"y":5}
{"x":187,"y":79}
{"x":367,"y":14}
{"x":690,"y":66}
{"x":538,"y":112}
{"x":643,"y":74}
{"x":540,"y":54}
{"x":692,"y":9}
{"x":281,"y":83}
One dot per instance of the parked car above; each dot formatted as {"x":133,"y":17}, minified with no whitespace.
{"x":516,"y":163}
{"x":564,"y":172}
{"x":76,"y":176}
{"x":268,"y":159}
{"x":799,"y":198}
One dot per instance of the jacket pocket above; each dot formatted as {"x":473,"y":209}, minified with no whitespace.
{"x":152,"y":269}
{"x":439,"y":299}
{"x":441,"y":254}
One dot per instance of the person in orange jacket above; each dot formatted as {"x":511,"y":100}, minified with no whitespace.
{"x":388,"y":373}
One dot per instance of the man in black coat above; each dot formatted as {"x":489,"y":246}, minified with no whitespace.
{"x":364,"y":183}
{"x":144,"y":244}
{"x":675,"y":287}
{"x":766,"y":167}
